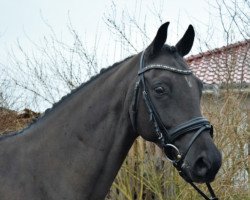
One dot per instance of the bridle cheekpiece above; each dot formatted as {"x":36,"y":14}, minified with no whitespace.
{"x":167,"y":137}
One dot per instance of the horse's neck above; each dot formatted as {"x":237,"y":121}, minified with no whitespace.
{"x":89,"y":133}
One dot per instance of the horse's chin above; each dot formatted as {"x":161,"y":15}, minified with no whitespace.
{"x":191,"y":176}
{"x":197,"y":179}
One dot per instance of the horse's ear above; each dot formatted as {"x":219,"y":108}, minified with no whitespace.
{"x":159,"y":40}
{"x":186,"y":42}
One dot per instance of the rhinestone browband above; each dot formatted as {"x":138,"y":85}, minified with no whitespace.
{"x":164,"y":67}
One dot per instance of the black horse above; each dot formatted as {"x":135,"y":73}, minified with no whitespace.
{"x":75,"y":150}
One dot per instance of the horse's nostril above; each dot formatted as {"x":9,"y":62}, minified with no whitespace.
{"x":202,"y":167}
{"x":205,"y":167}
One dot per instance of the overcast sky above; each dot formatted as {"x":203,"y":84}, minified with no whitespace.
{"x":27,"y":21}
{"x":25,"y":18}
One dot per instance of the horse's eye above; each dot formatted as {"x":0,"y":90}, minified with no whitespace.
{"x":159,"y":90}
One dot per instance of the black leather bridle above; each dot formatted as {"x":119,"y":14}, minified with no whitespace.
{"x":165,"y":137}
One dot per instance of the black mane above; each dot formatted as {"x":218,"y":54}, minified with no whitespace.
{"x":49,"y":110}
{"x":170,"y":49}
{"x":93,"y":78}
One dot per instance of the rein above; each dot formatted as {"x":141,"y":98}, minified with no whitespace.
{"x":167,"y":137}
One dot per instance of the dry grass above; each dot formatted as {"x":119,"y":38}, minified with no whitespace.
{"x":13,"y":121}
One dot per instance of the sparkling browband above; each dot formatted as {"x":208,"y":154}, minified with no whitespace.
{"x":171,"y":69}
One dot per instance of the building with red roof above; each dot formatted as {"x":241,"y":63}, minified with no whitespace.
{"x":226,"y":65}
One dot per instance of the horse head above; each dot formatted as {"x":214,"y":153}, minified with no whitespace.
{"x":168,"y":108}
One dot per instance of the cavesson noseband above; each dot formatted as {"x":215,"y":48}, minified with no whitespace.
{"x":167,"y":137}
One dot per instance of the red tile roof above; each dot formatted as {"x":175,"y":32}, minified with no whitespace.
{"x":228,"y":64}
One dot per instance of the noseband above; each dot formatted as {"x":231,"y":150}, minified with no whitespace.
{"x":165,"y":137}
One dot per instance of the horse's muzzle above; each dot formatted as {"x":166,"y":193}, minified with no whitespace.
{"x":204,"y":168}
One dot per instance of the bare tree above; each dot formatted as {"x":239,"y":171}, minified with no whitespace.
{"x":51,"y":70}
